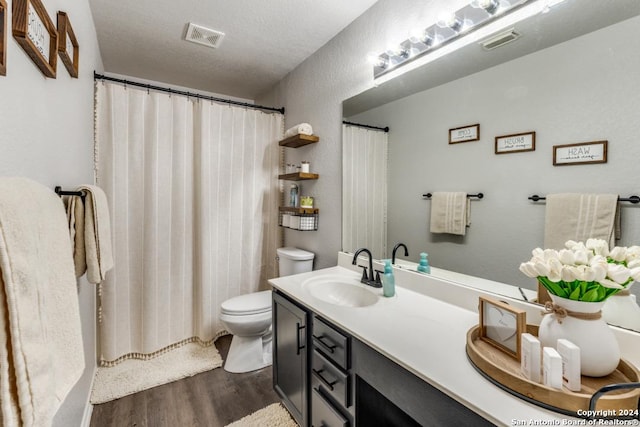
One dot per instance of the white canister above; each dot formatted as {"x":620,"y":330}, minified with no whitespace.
{"x":286,"y":218}
{"x":304,"y":167}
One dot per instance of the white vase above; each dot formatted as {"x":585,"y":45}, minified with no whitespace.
{"x":622,"y":310}
{"x":599,"y":350}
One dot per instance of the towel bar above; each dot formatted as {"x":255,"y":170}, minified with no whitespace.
{"x":479,"y":195}
{"x":631,"y":199}
{"x":60,"y":192}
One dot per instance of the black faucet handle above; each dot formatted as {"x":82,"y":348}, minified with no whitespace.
{"x":364,"y":273}
{"x":378,"y":272}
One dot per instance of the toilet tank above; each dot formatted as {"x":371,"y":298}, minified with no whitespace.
{"x":294,"y":261}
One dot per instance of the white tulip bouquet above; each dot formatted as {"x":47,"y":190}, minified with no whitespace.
{"x":584,"y":271}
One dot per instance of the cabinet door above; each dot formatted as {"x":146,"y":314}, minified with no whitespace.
{"x":290,"y":378}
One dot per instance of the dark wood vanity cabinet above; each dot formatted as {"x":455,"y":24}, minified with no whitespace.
{"x":328,"y":378}
{"x":290,"y":356}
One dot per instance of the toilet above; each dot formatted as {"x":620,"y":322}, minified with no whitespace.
{"x":248,"y":317}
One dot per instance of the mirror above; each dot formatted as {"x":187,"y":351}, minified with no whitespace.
{"x":571,"y":77}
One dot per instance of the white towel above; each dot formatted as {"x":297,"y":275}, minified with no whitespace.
{"x":41,"y":351}
{"x":302,"y":128}
{"x":97,"y":234}
{"x":450,"y":213}
{"x":75,"y":219}
{"x":574,"y":216}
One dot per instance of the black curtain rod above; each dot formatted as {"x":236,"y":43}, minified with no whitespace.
{"x":60,"y":192}
{"x":97,"y":76}
{"x":479,"y":195}
{"x":631,"y":199}
{"x":385,"y":129}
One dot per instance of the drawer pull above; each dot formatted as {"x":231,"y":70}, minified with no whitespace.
{"x":323,"y":379}
{"x":298,"y":346}
{"x":330,"y":347}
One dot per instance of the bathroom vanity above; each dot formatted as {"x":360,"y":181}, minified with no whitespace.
{"x":343,"y":358}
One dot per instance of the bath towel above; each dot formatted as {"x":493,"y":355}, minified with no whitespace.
{"x":450,"y":212}
{"x":574,"y":216}
{"x":75,"y":219}
{"x":41,"y":351}
{"x":97,"y":234}
{"x":302,"y":128}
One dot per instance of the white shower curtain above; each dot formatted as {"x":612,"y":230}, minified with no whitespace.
{"x":193,"y":193}
{"x":364,"y":190}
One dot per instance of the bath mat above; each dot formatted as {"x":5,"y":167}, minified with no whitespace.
{"x":132,"y":376}
{"x":274,"y":415}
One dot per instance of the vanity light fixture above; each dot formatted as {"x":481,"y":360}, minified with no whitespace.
{"x":473,"y":22}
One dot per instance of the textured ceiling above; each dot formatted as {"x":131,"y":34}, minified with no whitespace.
{"x":264,"y":40}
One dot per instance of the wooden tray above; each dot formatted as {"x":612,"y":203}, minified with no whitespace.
{"x":504,"y":371}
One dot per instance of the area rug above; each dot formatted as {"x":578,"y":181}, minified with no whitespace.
{"x":274,"y":415}
{"x":132,"y":376}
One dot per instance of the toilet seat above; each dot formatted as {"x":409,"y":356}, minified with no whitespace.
{"x":253,"y":303}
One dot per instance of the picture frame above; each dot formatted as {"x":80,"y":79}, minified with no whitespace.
{"x":35,"y":33}
{"x":580,"y":153}
{"x":464,"y":134}
{"x":515,"y":143}
{"x":502,"y":326}
{"x":3,"y":38}
{"x":68,"y":47}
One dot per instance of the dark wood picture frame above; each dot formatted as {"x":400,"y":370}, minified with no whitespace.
{"x":3,"y":38}
{"x":515,"y":143}
{"x":520,"y":318}
{"x":31,"y":23}
{"x":68,"y":47}
{"x":464,"y":134}
{"x":579,"y":154}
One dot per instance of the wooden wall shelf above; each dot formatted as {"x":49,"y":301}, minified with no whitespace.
{"x":299,"y":140}
{"x":299,"y":211}
{"x":299,"y":176}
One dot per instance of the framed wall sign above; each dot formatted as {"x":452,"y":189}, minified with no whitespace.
{"x":464,"y":134}
{"x":37,"y":35}
{"x":577,"y":154}
{"x":502,"y":326}
{"x":68,"y":48}
{"x":516,"y":143}
{"x":3,"y":38}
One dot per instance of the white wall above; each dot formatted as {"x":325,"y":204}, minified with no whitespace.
{"x":583,"y":90}
{"x":314,"y":92}
{"x":47,"y":135}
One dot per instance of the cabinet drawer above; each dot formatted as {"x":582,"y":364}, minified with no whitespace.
{"x":326,"y":376}
{"x":323,"y":414}
{"x":331,"y":342}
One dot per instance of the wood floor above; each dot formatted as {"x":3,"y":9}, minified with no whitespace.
{"x":213,"y":399}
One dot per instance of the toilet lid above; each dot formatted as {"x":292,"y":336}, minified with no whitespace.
{"x":253,"y":303}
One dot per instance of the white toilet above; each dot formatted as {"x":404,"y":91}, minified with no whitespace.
{"x":248,"y":317}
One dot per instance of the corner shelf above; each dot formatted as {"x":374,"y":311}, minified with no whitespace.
{"x":302,"y":219}
{"x":299,"y":140}
{"x":299,"y":176}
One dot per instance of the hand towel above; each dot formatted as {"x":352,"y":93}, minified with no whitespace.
{"x":450,"y":213}
{"x":41,"y":351}
{"x":75,"y":219}
{"x":575,"y":216}
{"x":302,"y":128}
{"x":97,"y":234}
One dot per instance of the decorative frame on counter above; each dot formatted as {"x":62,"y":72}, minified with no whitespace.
{"x":502,"y":326}
{"x":37,"y":35}
{"x":516,"y":143}
{"x":464,"y":134}
{"x":3,"y":38}
{"x":68,"y":47}
{"x":580,"y":154}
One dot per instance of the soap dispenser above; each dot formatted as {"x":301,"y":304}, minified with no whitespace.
{"x":388,"y":281}
{"x":424,"y":267}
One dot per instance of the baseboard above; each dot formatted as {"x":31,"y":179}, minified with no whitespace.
{"x":88,"y":407}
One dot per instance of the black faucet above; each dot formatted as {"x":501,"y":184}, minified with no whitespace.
{"x":395,"y":248}
{"x":370,"y":279}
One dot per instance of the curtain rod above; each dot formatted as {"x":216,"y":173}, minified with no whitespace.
{"x":97,"y":76}
{"x":385,"y":129}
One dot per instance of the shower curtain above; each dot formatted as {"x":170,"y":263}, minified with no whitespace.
{"x":193,"y":193}
{"x":364,"y":190}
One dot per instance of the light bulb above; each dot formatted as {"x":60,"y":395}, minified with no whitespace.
{"x":450,"y":20}
{"x":421,"y":36}
{"x":396,"y":50}
{"x":376,"y":60}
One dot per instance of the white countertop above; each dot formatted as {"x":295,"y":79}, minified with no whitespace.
{"x":424,"y":334}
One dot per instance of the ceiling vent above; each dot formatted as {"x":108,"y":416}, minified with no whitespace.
{"x":500,"y":39}
{"x":205,"y":36}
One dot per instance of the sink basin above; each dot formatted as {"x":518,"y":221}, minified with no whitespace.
{"x":340,"y":290}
